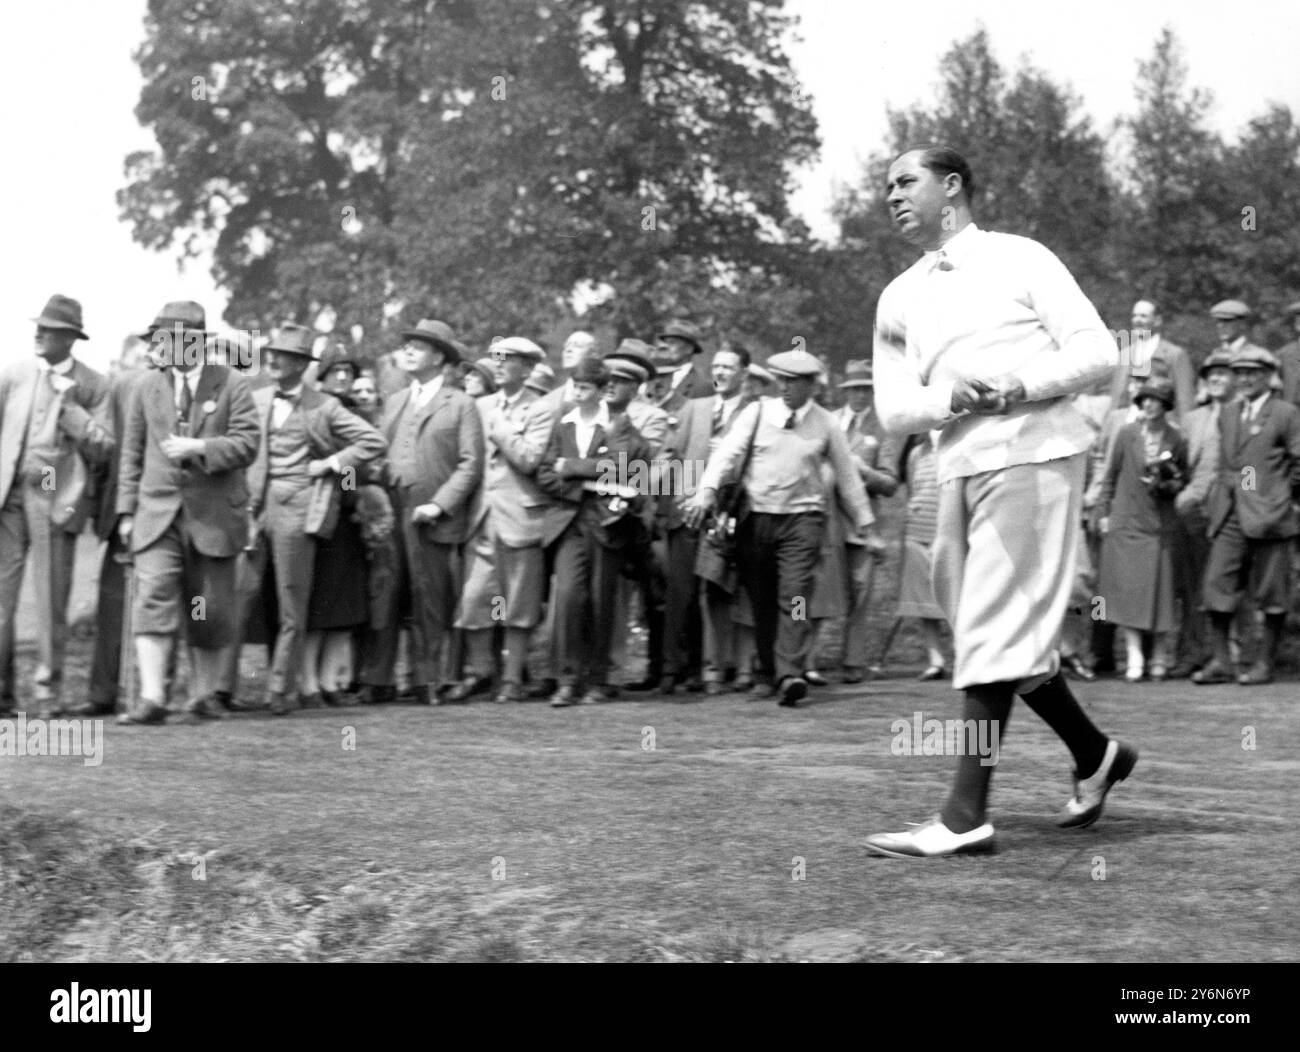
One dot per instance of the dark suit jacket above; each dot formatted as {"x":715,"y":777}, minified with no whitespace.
{"x":121,"y":388}
{"x":1259,"y":471}
{"x":449,"y":453}
{"x":212,"y":488}
{"x":567,"y":492}
{"x":1168,"y":359}
{"x":85,"y":443}
{"x":331,"y":431}
{"x":1288,"y":358}
{"x":693,"y":442}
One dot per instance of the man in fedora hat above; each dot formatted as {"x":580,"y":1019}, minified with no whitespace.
{"x":54,"y":435}
{"x":182,"y":504}
{"x":435,"y":464}
{"x":679,"y":344}
{"x":779,"y":537}
{"x":310,"y":449}
{"x":505,"y":572}
{"x":1252,"y":515}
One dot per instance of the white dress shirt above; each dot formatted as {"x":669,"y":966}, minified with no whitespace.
{"x":422,"y":394}
{"x":585,"y":430}
{"x":282,"y":407}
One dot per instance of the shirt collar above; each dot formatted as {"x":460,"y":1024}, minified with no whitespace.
{"x":1256,"y":404}
{"x":294,"y":393}
{"x":62,"y":369}
{"x":574,"y":416}
{"x":191,"y":379}
{"x":781,"y":412}
{"x":679,"y":374}
{"x":955,"y":251}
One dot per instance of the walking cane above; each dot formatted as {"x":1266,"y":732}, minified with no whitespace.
{"x":126,"y":662}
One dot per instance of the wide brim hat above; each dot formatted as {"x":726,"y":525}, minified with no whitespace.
{"x":794,"y":365}
{"x":438,"y":334}
{"x":339,"y":354}
{"x":682,"y":329}
{"x":1156,"y":387}
{"x":1229,"y":310}
{"x":178,"y":316}
{"x":518,"y":346}
{"x":629,"y":364}
{"x":857,"y":374}
{"x":486,"y":371}
{"x":62,"y":312}
{"x":1250,"y":357}
{"x":292,"y":338}
{"x":541,"y":379}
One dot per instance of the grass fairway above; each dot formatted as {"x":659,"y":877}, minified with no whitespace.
{"x":657,"y":830}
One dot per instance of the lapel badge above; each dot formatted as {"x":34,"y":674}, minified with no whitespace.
{"x":209,"y":407}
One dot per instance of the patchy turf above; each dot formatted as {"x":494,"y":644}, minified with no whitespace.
{"x":487,"y":832}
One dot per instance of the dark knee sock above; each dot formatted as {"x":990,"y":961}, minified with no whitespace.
{"x":969,"y":798}
{"x":1055,"y":704}
{"x":1220,"y":627}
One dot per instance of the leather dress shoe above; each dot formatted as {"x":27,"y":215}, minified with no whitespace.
{"x":1182,"y":670}
{"x":145,"y":712}
{"x":852,"y":674}
{"x":714,"y":689}
{"x":667,"y":684}
{"x":339,"y":699}
{"x":510,"y":692}
{"x":814,"y":677}
{"x":418,"y":694}
{"x":932,"y":673}
{"x":1211,"y":673}
{"x":313,"y":700}
{"x":224,"y":699}
{"x":1085,"y":806}
{"x":933,"y":839}
{"x":279,"y":704}
{"x":467,"y":688}
{"x":694,"y":684}
{"x":564,"y":696}
{"x":743,"y":683}
{"x":1259,"y":673}
{"x":646,"y":685}
{"x":594,"y":696}
{"x":792,"y":690}
{"x":88,"y":709}
{"x":761,"y":692}
{"x":544,"y":689}
{"x":374,"y":694}
{"x":207,"y":707}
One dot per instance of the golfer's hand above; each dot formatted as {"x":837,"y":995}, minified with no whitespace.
{"x":695,"y":509}
{"x":125,"y":524}
{"x":975,"y":396}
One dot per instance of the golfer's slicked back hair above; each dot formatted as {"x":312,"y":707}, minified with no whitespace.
{"x":943,"y":161}
{"x":740,"y":351}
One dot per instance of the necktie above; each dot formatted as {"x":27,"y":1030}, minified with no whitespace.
{"x":285,"y":395}
{"x":789,"y":424}
{"x":185,"y":402}
{"x":717,"y":417}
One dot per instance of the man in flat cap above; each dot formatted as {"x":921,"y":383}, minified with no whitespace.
{"x":435,"y":464}
{"x":591,"y":522}
{"x":1288,"y":358}
{"x":1161,"y":357}
{"x":876,"y":455}
{"x":779,"y":538}
{"x":310,"y":449}
{"x":985,"y":337}
{"x":1192,"y":542}
{"x":1252,"y":515}
{"x":54,"y":437}
{"x":505,"y":571}
{"x":680,"y":345}
{"x":182,"y":502}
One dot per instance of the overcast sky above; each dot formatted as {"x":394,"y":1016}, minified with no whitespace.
{"x":69,"y":89}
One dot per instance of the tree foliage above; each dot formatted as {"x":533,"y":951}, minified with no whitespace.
{"x":373,"y":159}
